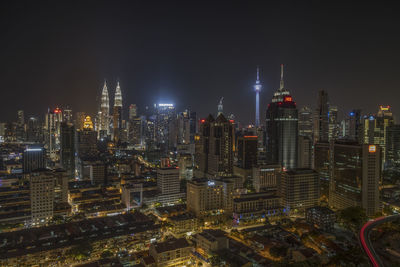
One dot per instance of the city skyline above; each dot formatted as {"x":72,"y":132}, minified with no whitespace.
{"x":164,"y":62}
{"x":202,"y":134}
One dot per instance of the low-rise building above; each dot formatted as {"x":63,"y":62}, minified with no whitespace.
{"x":173,"y":252}
{"x":184,"y":223}
{"x":211,"y":240}
{"x":322,"y":217}
{"x":257,"y":206}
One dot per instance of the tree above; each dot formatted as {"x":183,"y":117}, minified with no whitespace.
{"x":352,"y":218}
{"x":81,"y":251}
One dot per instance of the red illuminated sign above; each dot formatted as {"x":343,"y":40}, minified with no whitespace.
{"x":202,"y":120}
{"x":287,"y":99}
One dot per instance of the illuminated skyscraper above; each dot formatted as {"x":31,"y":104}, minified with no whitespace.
{"x":33,"y":158}
{"x":321,"y":124}
{"x":214,"y":147}
{"x":164,"y":125}
{"x":53,"y":132}
{"x":67,"y":114}
{"x":393,"y":147}
{"x":20,"y":127}
{"x":356,"y":173}
{"x":306,"y":122}
{"x":384,"y":119}
{"x":67,"y":153}
{"x":282,"y":128}
{"x":117,"y":113}
{"x":354,"y":129}
{"x":257,"y":88}
{"x":132,"y":111}
{"x":333,"y":123}
{"x":104,"y":113}
{"x":87,"y":140}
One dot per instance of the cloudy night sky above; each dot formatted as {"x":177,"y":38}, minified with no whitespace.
{"x":191,"y":53}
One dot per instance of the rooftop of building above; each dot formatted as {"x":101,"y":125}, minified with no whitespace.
{"x":212,"y":234}
{"x":172,"y":244}
{"x":56,"y":236}
{"x":182,"y":217}
{"x":256,"y":196}
{"x":167,"y":210}
{"x":319,"y":209}
{"x":300,"y":171}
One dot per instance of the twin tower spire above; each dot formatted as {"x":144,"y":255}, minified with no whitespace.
{"x":105,"y":100}
{"x":104,"y":118}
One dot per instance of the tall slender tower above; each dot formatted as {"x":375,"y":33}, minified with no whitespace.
{"x":282,"y":128}
{"x":117,"y":113}
{"x":220,"y":106}
{"x":257,"y":88}
{"x":104,"y":113}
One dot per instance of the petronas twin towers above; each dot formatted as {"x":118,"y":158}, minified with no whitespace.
{"x":104,"y":118}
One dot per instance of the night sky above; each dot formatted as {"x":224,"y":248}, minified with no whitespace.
{"x":191,"y":53}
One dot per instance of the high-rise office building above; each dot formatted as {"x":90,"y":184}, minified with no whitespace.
{"x":33,"y":158}
{"x":214,"y":147}
{"x":305,"y":152}
{"x":266,"y":177}
{"x":321,"y":123}
{"x":87,"y":140}
{"x":299,"y":189}
{"x":322,"y":164}
{"x":168,"y":180}
{"x":370,"y":131}
{"x":136,"y":130}
{"x":354,"y":126}
{"x":257,"y":88}
{"x":282,"y":128}
{"x":34,"y":130}
{"x":206,"y":197}
{"x":52,"y":132}
{"x":67,"y":153}
{"x":41,"y":185}
{"x":247,"y":151}
{"x":333,"y":123}
{"x":104,"y":113}
{"x":183,"y":128}
{"x":20,"y":127}
{"x":393,"y":147}
{"x":306,"y":122}
{"x":164,"y":125}
{"x":356,"y":174}
{"x":384,"y":119}
{"x":193,"y":126}
{"x":67,"y":115}
{"x":132,"y":111}
{"x":117,"y":114}
{"x":94,"y":170}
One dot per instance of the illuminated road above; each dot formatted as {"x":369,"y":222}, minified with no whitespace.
{"x":366,"y":242}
